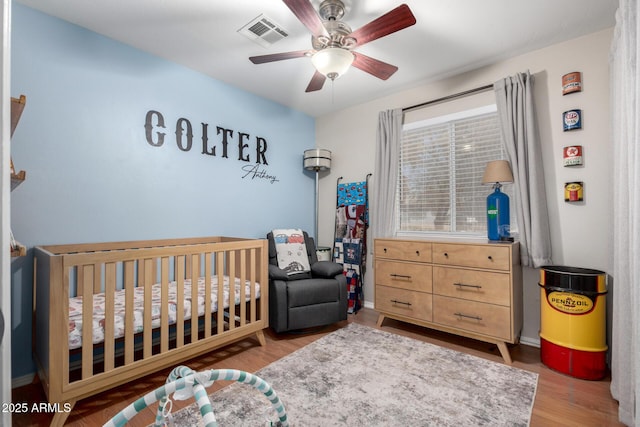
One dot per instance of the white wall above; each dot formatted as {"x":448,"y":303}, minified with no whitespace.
{"x":580,"y":232}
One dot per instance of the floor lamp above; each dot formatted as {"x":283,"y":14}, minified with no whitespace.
{"x":317,"y":159}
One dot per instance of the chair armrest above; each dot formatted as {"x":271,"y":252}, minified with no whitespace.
{"x":278,"y":307}
{"x":276,"y":273}
{"x":326,"y":269}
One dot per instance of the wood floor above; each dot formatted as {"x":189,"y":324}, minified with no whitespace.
{"x":561,"y":400}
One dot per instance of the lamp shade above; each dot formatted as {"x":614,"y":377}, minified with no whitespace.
{"x":497,"y":171}
{"x":317,"y":159}
{"x":332,"y":61}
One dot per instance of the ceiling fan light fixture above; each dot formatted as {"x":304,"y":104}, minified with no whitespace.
{"x":332,"y":61}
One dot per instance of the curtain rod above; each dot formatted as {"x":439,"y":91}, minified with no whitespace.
{"x":449,"y":97}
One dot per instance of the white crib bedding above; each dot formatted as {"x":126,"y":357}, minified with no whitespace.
{"x":75,"y":307}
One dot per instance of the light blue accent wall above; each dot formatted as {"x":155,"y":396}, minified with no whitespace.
{"x":92,"y":176}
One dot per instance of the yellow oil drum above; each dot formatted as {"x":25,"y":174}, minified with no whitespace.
{"x":573,"y":337}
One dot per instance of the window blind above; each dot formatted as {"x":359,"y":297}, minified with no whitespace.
{"x":442,"y":161}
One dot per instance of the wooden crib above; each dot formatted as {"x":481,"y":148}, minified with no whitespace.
{"x":136,"y":296}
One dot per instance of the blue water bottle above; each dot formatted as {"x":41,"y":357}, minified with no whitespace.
{"x":498,"y":215}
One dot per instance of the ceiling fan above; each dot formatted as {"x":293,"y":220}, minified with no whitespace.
{"x":333,"y":40}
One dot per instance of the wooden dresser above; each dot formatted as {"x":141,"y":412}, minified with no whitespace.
{"x":465,"y":288}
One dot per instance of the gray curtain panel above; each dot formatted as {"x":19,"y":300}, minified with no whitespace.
{"x":516,"y":112}
{"x":386,"y":172}
{"x":624,"y":63}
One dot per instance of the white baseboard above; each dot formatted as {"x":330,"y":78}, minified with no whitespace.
{"x":533,"y":342}
{"x":22,"y":381}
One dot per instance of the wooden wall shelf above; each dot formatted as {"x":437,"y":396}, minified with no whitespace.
{"x":17,"y":106}
{"x":18,"y":250}
{"x":17,"y":177}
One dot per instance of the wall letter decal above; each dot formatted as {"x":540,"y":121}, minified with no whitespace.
{"x":261,"y":148}
{"x":241,"y":146}
{"x":205,"y":141}
{"x":184,"y":141}
{"x":148,"y":127}
{"x":179,"y":131}
{"x":226,"y":134}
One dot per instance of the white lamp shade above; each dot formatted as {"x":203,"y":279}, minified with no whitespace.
{"x":332,"y":61}
{"x":317,"y":159}
{"x":497,"y":171}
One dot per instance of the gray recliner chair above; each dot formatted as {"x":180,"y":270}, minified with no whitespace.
{"x":305,"y":300}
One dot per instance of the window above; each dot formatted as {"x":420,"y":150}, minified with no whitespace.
{"x":442,"y":161}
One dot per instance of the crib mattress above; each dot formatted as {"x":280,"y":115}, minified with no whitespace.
{"x":75,"y":307}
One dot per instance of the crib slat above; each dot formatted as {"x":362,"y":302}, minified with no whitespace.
{"x":148,"y":269}
{"x":109,"y":316}
{"x":220,"y":304}
{"x":207,"y":293}
{"x":194,"y":269}
{"x":164,"y":311}
{"x":232,"y":288}
{"x":85,"y":282}
{"x":128,"y":311}
{"x":180,"y":268}
{"x":60,"y":320}
{"x":254,"y":279}
{"x":243,"y":290}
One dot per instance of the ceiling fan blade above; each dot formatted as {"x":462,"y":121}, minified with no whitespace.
{"x":316,"y":83}
{"x":261,"y":59}
{"x":304,"y":11}
{"x":375,"y":67}
{"x":395,"y":20}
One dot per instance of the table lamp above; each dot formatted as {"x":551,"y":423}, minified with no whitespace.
{"x":498,"y":215}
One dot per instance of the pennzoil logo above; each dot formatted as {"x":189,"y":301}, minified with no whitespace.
{"x":570,"y":303}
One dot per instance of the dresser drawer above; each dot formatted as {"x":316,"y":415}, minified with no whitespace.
{"x":482,"y":286}
{"x":404,"y":275}
{"x":477,"y":256}
{"x":403,"y":302}
{"x":406,"y":250}
{"x":478,"y":317}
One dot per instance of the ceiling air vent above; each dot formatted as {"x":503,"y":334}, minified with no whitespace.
{"x":263,"y":31}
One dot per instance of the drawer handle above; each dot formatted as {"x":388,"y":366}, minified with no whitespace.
{"x":490,"y":258}
{"x":408,"y":304}
{"x":468,"y":316}
{"x":446,"y":255}
{"x":400,"y":276}
{"x":464,"y":285}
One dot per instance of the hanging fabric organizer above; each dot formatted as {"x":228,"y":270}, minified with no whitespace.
{"x":350,"y":238}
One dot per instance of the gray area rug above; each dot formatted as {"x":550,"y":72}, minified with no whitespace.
{"x":360,"y":376}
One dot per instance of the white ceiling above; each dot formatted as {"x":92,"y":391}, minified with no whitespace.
{"x":450,"y":37}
